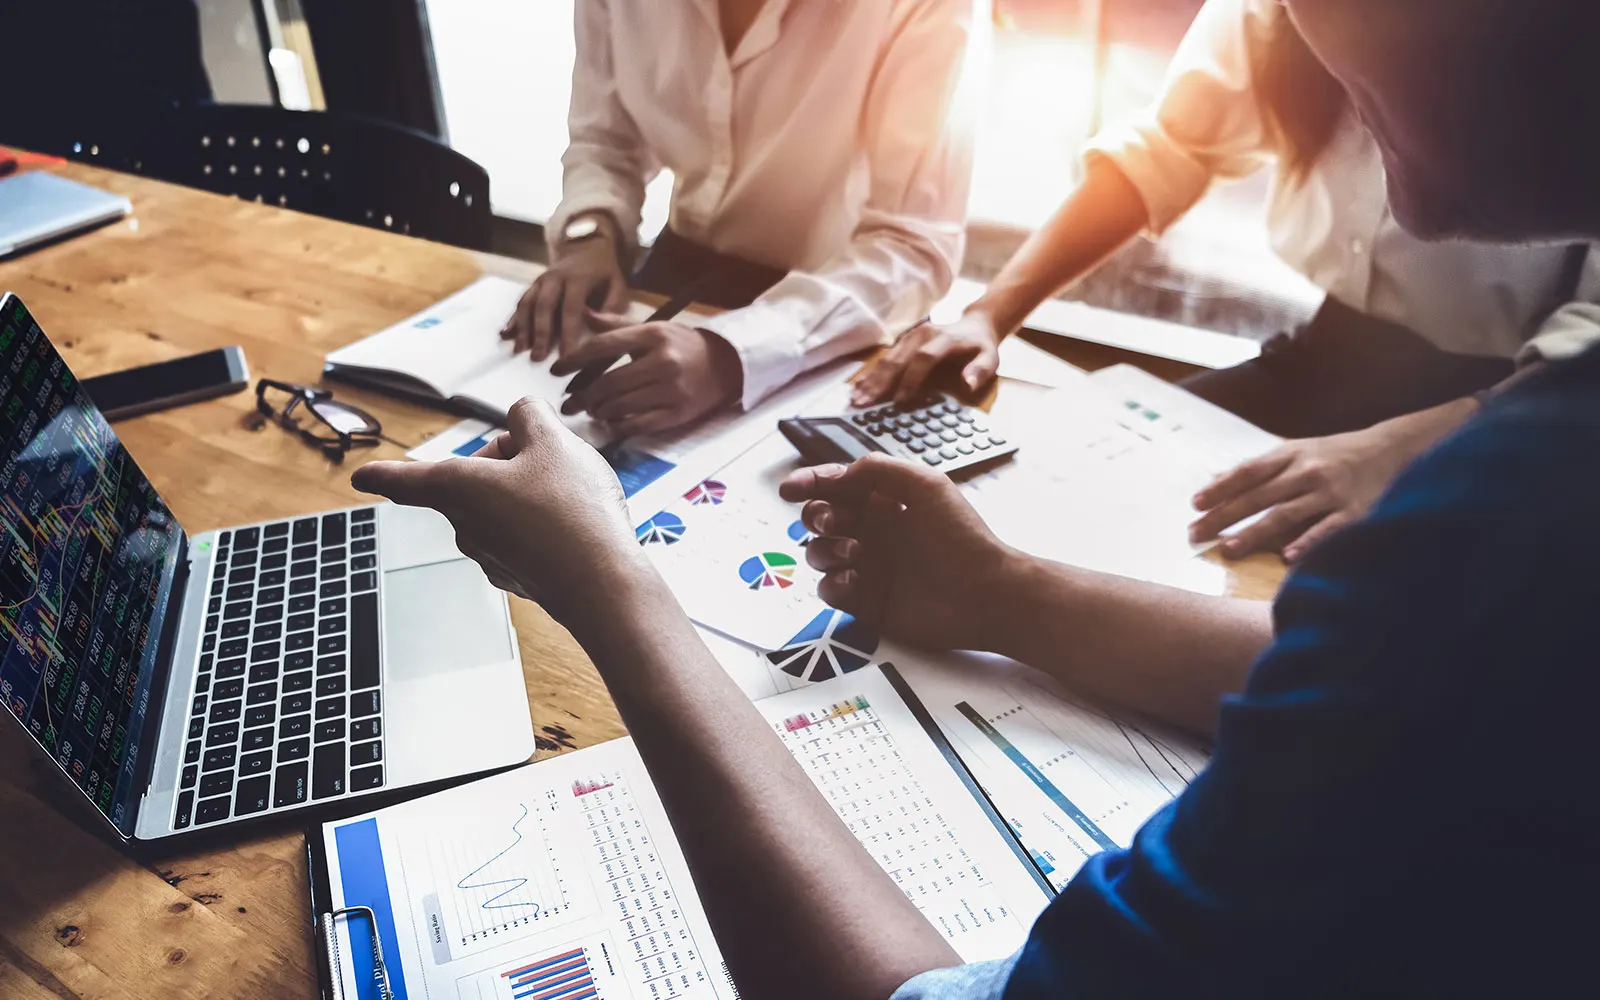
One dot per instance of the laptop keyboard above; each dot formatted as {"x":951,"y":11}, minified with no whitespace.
{"x":286,"y":706}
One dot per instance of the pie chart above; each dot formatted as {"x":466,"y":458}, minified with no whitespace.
{"x":799,"y":535}
{"x":708,"y":492}
{"x":833,"y":643}
{"x":663,"y":529}
{"x":769,"y":569}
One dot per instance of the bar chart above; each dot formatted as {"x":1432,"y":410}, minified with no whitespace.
{"x":566,"y":976}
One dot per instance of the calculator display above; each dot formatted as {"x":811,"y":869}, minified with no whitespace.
{"x":842,"y":435}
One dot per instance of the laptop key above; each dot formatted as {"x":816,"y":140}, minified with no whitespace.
{"x":364,"y":514}
{"x":297,"y":703}
{"x":366,"y":753}
{"x":333,"y":571}
{"x":211,"y":622}
{"x":300,"y":552}
{"x":330,"y":665}
{"x":191,"y":753}
{"x":255,"y":763}
{"x":305,"y":530}
{"x":208,"y":644}
{"x":302,"y":621}
{"x":227,"y":689}
{"x":212,"y":810}
{"x":333,"y":554}
{"x":202,"y":682}
{"x":197,"y":725}
{"x":265,"y":651}
{"x":333,"y":729}
{"x":364,"y":581}
{"x":331,"y":644}
{"x":364,"y":545}
{"x":364,"y":704}
{"x":233,"y":647}
{"x":243,"y":574}
{"x":279,"y":530}
{"x":297,"y":661}
{"x":199,"y":705}
{"x":226,"y":711}
{"x":332,"y":606}
{"x":260,"y":673}
{"x":242,"y":560}
{"x":364,"y":562}
{"x":297,"y":682}
{"x":180,"y":821}
{"x":333,"y":529}
{"x":271,"y":595}
{"x":327,"y":771}
{"x":262,"y":694}
{"x":294,"y":750}
{"x":236,"y":628}
{"x":298,"y":640}
{"x":267,"y":633}
{"x":305,"y":602}
{"x":330,"y":685}
{"x":366,"y":778}
{"x":299,"y":569}
{"x":297,"y":725}
{"x":269,"y":614}
{"x":329,"y":626}
{"x":366,"y":729}
{"x":216,"y":588}
{"x":306,"y":585}
{"x":223,"y":735}
{"x":289,"y":785}
{"x":275,"y":548}
{"x":273,"y":578}
{"x":261,"y":715}
{"x":364,"y":643}
{"x":256,"y":739}
{"x":330,"y":708}
{"x":216,"y":783}
{"x":253,"y":795}
{"x":335,"y":588}
{"x":230,"y":668}
{"x":191,"y":774}
{"x":221,"y":757}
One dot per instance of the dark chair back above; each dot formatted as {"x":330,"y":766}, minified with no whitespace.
{"x":337,"y":166}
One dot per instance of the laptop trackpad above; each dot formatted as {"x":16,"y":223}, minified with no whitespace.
{"x":440,"y":617}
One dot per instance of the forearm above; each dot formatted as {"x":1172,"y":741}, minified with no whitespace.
{"x":1166,"y":653}
{"x":1099,"y":217}
{"x":798,"y":906}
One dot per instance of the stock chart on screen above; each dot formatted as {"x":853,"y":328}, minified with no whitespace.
{"x":87,"y":554}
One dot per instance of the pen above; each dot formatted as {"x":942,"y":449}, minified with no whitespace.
{"x":672,"y":307}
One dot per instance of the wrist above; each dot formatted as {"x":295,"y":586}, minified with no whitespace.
{"x":1005,"y":602}
{"x":618,"y":590}
{"x":588,"y":233}
{"x":727,"y":368}
{"x":993,"y":316}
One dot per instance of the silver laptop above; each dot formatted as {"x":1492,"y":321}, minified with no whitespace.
{"x":36,"y":207}
{"x":184,"y":682}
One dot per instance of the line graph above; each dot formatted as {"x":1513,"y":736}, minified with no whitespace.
{"x":512,"y":884}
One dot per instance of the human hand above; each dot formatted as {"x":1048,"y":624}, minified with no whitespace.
{"x":902,"y":372}
{"x":901,"y":549}
{"x":537,"y":508}
{"x":676,"y":374}
{"x":1313,"y":487}
{"x":551,"y":315}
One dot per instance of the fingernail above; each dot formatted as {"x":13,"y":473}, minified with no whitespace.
{"x":829,"y":471}
{"x":850,"y":549}
{"x":1231,"y":545}
{"x":1291,"y":555}
{"x":824,"y":524}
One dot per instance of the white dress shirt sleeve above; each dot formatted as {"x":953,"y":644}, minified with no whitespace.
{"x":607,"y":163}
{"x":1575,"y":326}
{"x":906,"y":249}
{"x":1205,"y":125}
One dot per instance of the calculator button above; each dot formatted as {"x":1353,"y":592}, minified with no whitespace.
{"x":917,"y":447}
{"x":862,"y":419}
{"x":902,"y":436}
{"x":949,"y":420}
{"x":996,"y":439}
{"x":932,"y":459}
{"x":964,"y":448}
{"x":948,"y":452}
{"x":964,"y":431}
{"x":947,"y":436}
{"x":922,"y":416}
{"x":875,"y":430}
{"x":980,"y":427}
{"x":965,"y":417}
{"x":980,"y":444}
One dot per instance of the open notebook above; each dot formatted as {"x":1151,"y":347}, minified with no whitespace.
{"x":451,"y":353}
{"x":563,"y":879}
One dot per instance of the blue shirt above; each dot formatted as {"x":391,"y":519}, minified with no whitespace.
{"x":1404,"y":799}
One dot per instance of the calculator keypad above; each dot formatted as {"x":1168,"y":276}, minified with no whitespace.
{"x":935,"y":430}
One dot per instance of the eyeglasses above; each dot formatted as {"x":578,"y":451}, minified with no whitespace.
{"x":343,"y":426}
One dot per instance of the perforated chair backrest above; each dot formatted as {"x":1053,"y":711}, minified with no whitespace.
{"x":344,"y":167}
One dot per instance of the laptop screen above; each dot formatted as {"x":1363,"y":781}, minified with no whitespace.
{"x":87,"y":557}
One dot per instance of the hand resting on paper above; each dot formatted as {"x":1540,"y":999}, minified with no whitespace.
{"x":901,"y":549}
{"x":551,"y":318}
{"x":537,"y":508}
{"x":676,"y":374}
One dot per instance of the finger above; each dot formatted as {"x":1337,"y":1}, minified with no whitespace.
{"x":521,"y":315}
{"x":1243,"y":477}
{"x":649,"y":423}
{"x":896,"y":479}
{"x":832,"y":554}
{"x":608,"y":320}
{"x":574,"y":316}
{"x":824,"y":519}
{"x":1280,"y":524}
{"x":410,"y":484}
{"x":606,"y":347}
{"x":527,"y":421}
{"x":1219,"y":519}
{"x":880,"y":380}
{"x":618,"y":381}
{"x":843,"y":591}
{"x":656,"y":396}
{"x":1314,"y":534}
{"x":922,"y":363}
{"x":542,"y":329}
{"x":981,"y":370}
{"x":500,"y":448}
{"x":617,"y":296}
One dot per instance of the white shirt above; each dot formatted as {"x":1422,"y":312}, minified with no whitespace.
{"x":1335,"y":226}
{"x":827,"y":145}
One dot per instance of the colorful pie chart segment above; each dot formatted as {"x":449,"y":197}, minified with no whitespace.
{"x":708,"y":492}
{"x":799,"y":535}
{"x":833,"y":643}
{"x":769,"y":569}
{"x":663,"y":529}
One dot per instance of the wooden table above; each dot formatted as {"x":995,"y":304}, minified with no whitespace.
{"x":227,"y":915}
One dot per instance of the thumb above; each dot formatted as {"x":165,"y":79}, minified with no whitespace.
{"x":981,"y":370}
{"x":410,"y":484}
{"x":605,"y":322}
{"x":892,"y":478}
{"x":528,"y":421}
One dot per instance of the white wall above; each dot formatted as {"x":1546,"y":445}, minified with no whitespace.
{"x":234,"y":52}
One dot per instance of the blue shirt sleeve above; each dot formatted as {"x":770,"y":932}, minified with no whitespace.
{"x":978,"y":981}
{"x":1401,"y":801}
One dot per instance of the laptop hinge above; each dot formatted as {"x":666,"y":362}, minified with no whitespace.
{"x":153,"y":717}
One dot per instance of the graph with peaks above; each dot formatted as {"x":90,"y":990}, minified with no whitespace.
{"x":832,"y":644}
{"x":503,"y":877}
{"x":665,"y":528}
{"x":768,"y":570}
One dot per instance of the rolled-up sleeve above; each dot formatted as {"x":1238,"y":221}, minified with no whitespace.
{"x":906,"y":249}
{"x":1575,"y":326}
{"x":1205,"y":125}
{"x":607,"y":163}
{"x":979,"y":981}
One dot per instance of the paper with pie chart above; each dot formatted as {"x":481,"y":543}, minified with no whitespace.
{"x":734,"y":552}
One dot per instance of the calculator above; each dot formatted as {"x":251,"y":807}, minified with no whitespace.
{"x":935,"y":430}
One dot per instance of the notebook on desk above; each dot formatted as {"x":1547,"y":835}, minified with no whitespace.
{"x":562,"y":879}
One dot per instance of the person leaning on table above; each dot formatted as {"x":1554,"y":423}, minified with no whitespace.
{"x":1398,"y":801}
{"x":1410,"y":333}
{"x":821,"y":173}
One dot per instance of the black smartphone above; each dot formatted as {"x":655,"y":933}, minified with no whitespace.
{"x":169,"y":383}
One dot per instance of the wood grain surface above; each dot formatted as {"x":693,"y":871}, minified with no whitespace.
{"x":227,"y":915}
